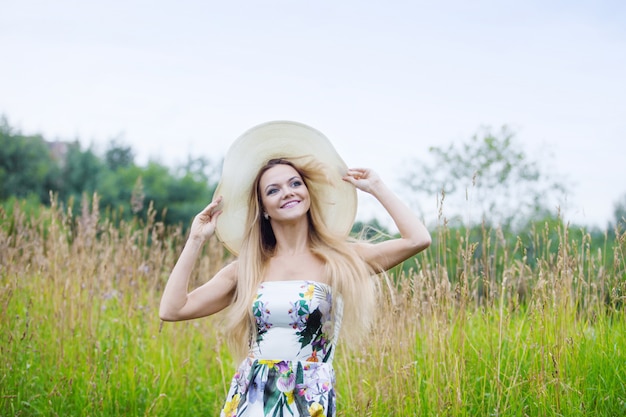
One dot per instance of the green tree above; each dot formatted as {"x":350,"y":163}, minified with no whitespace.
{"x":81,"y":172}
{"x":118,"y":155}
{"x":116,"y":190}
{"x":187,"y":196}
{"x":30,"y":166}
{"x":132,"y":189}
{"x":26,"y":165}
{"x":491,"y":173}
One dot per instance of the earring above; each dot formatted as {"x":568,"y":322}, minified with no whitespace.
{"x":266,"y":216}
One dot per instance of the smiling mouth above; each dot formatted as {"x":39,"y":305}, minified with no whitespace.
{"x":290,"y":204}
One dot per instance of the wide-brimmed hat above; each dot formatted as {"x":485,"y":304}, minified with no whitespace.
{"x":289,"y":140}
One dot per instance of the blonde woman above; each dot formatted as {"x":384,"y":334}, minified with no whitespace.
{"x":285,"y":205}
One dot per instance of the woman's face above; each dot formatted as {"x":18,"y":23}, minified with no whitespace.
{"x":283,"y":193}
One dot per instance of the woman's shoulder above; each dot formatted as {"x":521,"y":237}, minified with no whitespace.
{"x":368,"y":252}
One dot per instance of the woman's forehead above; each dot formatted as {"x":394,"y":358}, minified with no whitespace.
{"x":278,"y":173}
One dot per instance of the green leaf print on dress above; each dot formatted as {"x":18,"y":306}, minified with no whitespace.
{"x":315,"y":328}
{"x":261,"y":314}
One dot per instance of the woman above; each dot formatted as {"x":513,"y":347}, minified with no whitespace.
{"x":285,"y":205}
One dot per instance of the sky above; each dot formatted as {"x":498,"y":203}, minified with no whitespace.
{"x":383,"y":80}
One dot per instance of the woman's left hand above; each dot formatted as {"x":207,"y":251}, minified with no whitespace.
{"x":364,"y":179}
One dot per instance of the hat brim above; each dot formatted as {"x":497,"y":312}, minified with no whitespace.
{"x":280,"y":139}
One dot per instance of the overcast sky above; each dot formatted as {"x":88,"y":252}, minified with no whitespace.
{"x":383,"y":80}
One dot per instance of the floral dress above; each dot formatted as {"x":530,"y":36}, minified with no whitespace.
{"x":289,"y":371}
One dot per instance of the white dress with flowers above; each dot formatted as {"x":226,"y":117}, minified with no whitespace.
{"x":289,"y":371}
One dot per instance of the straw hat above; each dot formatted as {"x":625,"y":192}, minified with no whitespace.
{"x":280,"y":139}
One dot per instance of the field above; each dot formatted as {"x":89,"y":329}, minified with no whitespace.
{"x":476,"y":326}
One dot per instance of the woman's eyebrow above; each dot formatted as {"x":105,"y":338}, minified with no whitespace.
{"x":295,"y":177}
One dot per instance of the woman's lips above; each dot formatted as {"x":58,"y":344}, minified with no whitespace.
{"x":290,"y":204}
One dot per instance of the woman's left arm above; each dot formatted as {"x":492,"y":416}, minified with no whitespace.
{"x":414,"y":237}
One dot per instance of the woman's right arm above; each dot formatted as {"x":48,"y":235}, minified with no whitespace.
{"x":177,"y":303}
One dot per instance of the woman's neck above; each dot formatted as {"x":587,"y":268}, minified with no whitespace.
{"x":291,"y":239}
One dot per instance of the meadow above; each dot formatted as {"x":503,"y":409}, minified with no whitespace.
{"x":475,"y":326}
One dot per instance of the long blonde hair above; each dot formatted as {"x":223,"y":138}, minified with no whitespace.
{"x":348,"y":274}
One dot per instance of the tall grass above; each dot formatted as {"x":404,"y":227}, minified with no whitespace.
{"x":475,"y":328}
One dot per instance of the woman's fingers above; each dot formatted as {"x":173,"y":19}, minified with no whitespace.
{"x":211,"y":209}
{"x":362,"y":178}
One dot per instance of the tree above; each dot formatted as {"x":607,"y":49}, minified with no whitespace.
{"x":118,"y":156}
{"x":81,"y":171}
{"x":131,"y":189}
{"x":32,"y":167}
{"x":490,"y":172}
{"x":26,"y":165}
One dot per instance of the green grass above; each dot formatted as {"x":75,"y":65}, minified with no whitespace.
{"x":80,"y":334}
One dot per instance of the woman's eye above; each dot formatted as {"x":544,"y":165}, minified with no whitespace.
{"x":271,"y":191}
{"x":296,"y":183}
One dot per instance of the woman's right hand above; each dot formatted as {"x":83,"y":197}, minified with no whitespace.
{"x":203,"y":225}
